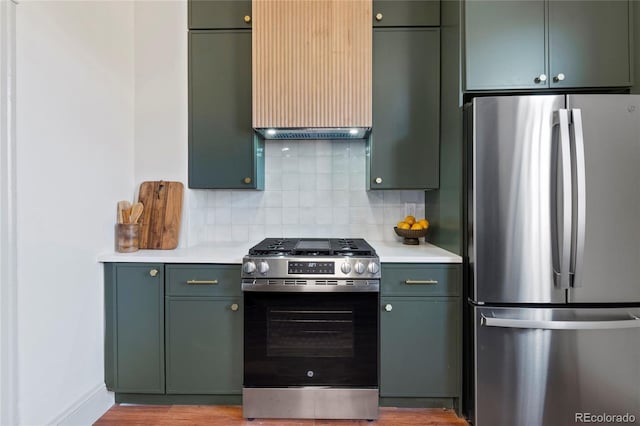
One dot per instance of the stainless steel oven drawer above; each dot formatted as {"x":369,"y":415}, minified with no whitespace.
{"x":203,"y":280}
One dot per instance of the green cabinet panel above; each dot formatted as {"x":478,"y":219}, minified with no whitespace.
{"x":420,"y":347}
{"x":541,"y":44}
{"x":204,"y":345}
{"x":505,"y":44}
{"x":589,"y":43}
{"x":406,"y":13}
{"x":403,"y":148}
{"x":224,"y":153}
{"x":134,"y":311}
{"x":219,"y":14}
{"x":203,"y":280}
{"x":409,"y":279}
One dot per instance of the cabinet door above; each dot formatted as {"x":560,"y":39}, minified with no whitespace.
{"x":404,"y":144}
{"x":406,"y":13}
{"x":134,"y":348}
{"x":219,"y":14}
{"x":589,"y":43}
{"x":204,"y":345}
{"x":223,"y":152}
{"x":419,"y":347}
{"x":505,"y":44}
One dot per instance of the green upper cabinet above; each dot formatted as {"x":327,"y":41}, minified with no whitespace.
{"x":224,"y":153}
{"x":589,"y":43}
{"x":406,"y":13}
{"x":404,"y":145}
{"x":541,"y":44}
{"x":504,"y":44}
{"x":219,"y":14}
{"x":134,"y":332}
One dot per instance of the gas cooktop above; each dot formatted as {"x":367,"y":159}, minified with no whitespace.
{"x":312,"y":247}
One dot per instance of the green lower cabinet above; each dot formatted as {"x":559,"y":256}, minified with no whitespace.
{"x":134,"y":329}
{"x":204,"y":345}
{"x":420,"y":347}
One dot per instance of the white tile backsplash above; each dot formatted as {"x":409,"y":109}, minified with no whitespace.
{"x":312,"y":189}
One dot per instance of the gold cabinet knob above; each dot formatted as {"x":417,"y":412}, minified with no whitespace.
{"x":247,"y":180}
{"x":378,"y":16}
{"x":378,"y":180}
{"x":247,"y":19}
{"x":235,"y":307}
{"x":153,"y":272}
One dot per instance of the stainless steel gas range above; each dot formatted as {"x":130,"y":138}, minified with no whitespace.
{"x":311,"y":329}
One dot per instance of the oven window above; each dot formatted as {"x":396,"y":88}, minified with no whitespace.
{"x":310,"y":332}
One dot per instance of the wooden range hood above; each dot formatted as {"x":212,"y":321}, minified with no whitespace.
{"x":311,"y":64}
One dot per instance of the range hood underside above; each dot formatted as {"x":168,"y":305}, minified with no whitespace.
{"x":315,"y":133}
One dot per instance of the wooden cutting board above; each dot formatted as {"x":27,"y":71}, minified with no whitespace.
{"x":160,"y":222}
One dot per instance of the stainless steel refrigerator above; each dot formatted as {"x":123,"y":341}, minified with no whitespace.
{"x":553,"y":230}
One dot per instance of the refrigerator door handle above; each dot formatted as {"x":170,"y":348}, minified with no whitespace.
{"x":562,"y":118}
{"x":581,"y":207}
{"x":633,"y":322}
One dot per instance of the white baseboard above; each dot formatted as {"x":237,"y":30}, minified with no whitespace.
{"x":89,"y":408}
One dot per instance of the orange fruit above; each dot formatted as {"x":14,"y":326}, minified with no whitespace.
{"x":410,"y":220}
{"x":403,"y":225}
{"x":424,"y":223}
{"x":416,"y":227}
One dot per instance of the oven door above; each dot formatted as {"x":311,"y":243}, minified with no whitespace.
{"x":310,"y":339}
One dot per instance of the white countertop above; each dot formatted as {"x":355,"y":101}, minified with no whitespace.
{"x":232,"y":253}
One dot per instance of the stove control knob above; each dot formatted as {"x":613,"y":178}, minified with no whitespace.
{"x":263,"y":267}
{"x":373,"y":267}
{"x":345,"y":268}
{"x":359,"y":267}
{"x":249,"y":267}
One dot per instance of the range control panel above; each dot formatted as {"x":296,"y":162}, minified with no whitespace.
{"x":311,"y":268}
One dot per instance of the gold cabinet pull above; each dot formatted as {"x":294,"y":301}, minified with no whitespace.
{"x":235,"y":307}
{"x":247,"y":19}
{"x":202,"y":282}
{"x":247,"y":180}
{"x":378,"y":17}
{"x":153,"y":272}
{"x":421,"y":282}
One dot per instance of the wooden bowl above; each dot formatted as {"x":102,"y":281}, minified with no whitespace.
{"x":410,"y":237}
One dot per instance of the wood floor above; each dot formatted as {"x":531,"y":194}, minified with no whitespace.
{"x":175,"y":415}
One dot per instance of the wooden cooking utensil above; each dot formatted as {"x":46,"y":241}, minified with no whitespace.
{"x":136,"y":212}
{"x":123,"y":206}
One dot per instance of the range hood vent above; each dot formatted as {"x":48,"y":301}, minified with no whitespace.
{"x":311,"y":63}
{"x":314,"y":133}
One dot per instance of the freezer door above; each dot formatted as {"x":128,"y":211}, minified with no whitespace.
{"x":555,"y":367}
{"x":606,"y":243}
{"x":512,"y":187}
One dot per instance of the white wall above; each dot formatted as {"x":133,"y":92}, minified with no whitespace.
{"x":8,"y":261}
{"x":75,"y":128}
{"x":161,"y":95}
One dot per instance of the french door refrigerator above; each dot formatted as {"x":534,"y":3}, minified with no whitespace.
{"x":553,"y":235}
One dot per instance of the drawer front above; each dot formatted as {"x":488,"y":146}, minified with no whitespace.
{"x":406,"y":279}
{"x":203,"y":280}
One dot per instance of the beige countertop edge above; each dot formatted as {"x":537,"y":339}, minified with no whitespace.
{"x":232,"y":253}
